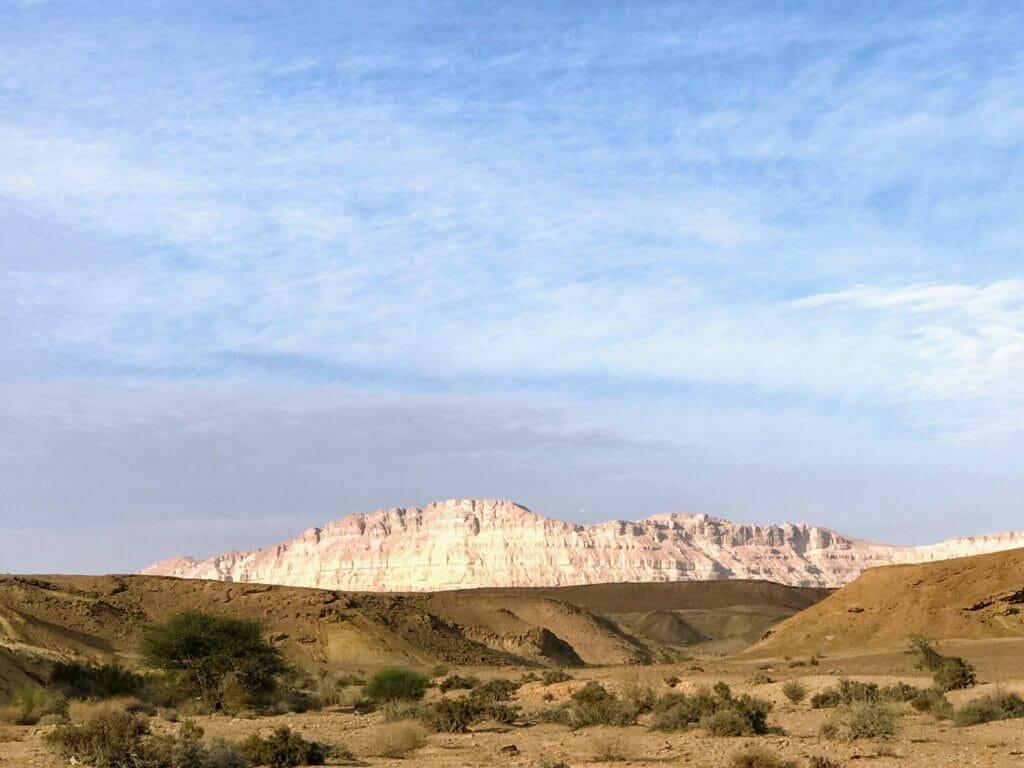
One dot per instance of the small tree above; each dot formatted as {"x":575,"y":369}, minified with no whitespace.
{"x":949,"y":672}
{"x":210,"y":654}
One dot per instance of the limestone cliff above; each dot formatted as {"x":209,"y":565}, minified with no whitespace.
{"x":469,"y":543}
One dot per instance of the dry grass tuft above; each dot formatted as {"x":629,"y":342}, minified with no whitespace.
{"x":397,"y":740}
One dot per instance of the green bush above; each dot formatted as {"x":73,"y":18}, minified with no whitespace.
{"x":989,"y":708}
{"x":949,"y":672}
{"x":871,"y":720}
{"x":716,"y":709}
{"x":284,"y":749}
{"x":594,"y":705}
{"x":396,"y":684}
{"x":84,"y":681}
{"x":794,"y":690}
{"x":111,"y":739}
{"x":954,"y":674}
{"x":933,"y":701}
{"x":29,"y":705}
{"x":899,"y":692}
{"x":219,"y":659}
{"x":498,"y":689}
{"x":845,"y":692}
{"x":450,"y":715}
{"x":760,"y":758}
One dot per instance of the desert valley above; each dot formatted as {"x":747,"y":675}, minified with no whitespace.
{"x":704,"y":664}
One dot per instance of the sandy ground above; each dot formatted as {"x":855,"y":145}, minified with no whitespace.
{"x":922,"y":740}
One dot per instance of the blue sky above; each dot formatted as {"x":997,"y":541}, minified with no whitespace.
{"x":263,"y":265}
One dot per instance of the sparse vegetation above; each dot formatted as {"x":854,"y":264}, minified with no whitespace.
{"x":398,"y":740}
{"x":284,"y":748}
{"x":457,"y":682}
{"x":794,"y":690}
{"x":396,"y":684}
{"x":552,"y":676}
{"x":819,"y":761}
{"x":949,"y":672}
{"x":1000,"y":705}
{"x":933,"y":701}
{"x":756,"y":757}
{"x":223,"y":661}
{"x":84,"y":681}
{"x":871,"y":720}
{"x":715,"y":709}
{"x":111,"y":739}
{"x":29,"y":705}
{"x":608,"y":750}
{"x":846,"y":692}
{"x":593,"y":704}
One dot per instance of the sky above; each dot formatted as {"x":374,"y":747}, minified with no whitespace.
{"x":263,"y":265}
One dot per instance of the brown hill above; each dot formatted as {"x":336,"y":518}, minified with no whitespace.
{"x":43,"y":618}
{"x":48,"y":617}
{"x":970,"y":598}
{"x":722,"y":616}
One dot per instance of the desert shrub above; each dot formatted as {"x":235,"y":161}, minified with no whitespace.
{"x":761,"y":678}
{"x":608,"y":750}
{"x":949,"y":672}
{"x":117,"y":739}
{"x":986,"y":709}
{"x":397,"y":741}
{"x":819,"y":761}
{"x":498,"y":689}
{"x":640,"y":696}
{"x":224,"y":754}
{"x":953,"y":674}
{"x":847,"y":692}
{"x":933,"y":701}
{"x":396,"y":711}
{"x":54,"y":720}
{"x":757,"y":757}
{"x":450,"y":715}
{"x":283,"y":749}
{"x":898,"y":692}
{"x":396,"y":684}
{"x":871,"y":720}
{"x":111,"y":739}
{"x":715,"y":708}
{"x":828,"y":730}
{"x":724,"y":722}
{"x":794,"y":690}
{"x":29,"y":705}
{"x":593,"y":704}
{"x":85,"y":681}
{"x":213,"y":656}
{"x":457,"y":683}
{"x":552,"y":676}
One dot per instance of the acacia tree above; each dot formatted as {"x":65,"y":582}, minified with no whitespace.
{"x":209,"y":653}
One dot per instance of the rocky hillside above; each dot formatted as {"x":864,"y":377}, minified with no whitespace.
{"x":467,"y":544}
{"x":43,"y":618}
{"x":969,"y":598}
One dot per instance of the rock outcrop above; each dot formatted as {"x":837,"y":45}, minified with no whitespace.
{"x":460,"y":544}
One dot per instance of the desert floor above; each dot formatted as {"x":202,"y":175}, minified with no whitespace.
{"x":922,"y":740}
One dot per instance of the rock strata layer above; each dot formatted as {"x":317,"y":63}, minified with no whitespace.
{"x":461,"y":543}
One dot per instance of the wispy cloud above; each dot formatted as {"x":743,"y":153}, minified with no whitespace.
{"x":811,"y":207}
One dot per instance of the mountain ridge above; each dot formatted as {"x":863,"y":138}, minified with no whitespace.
{"x":470,"y":543}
